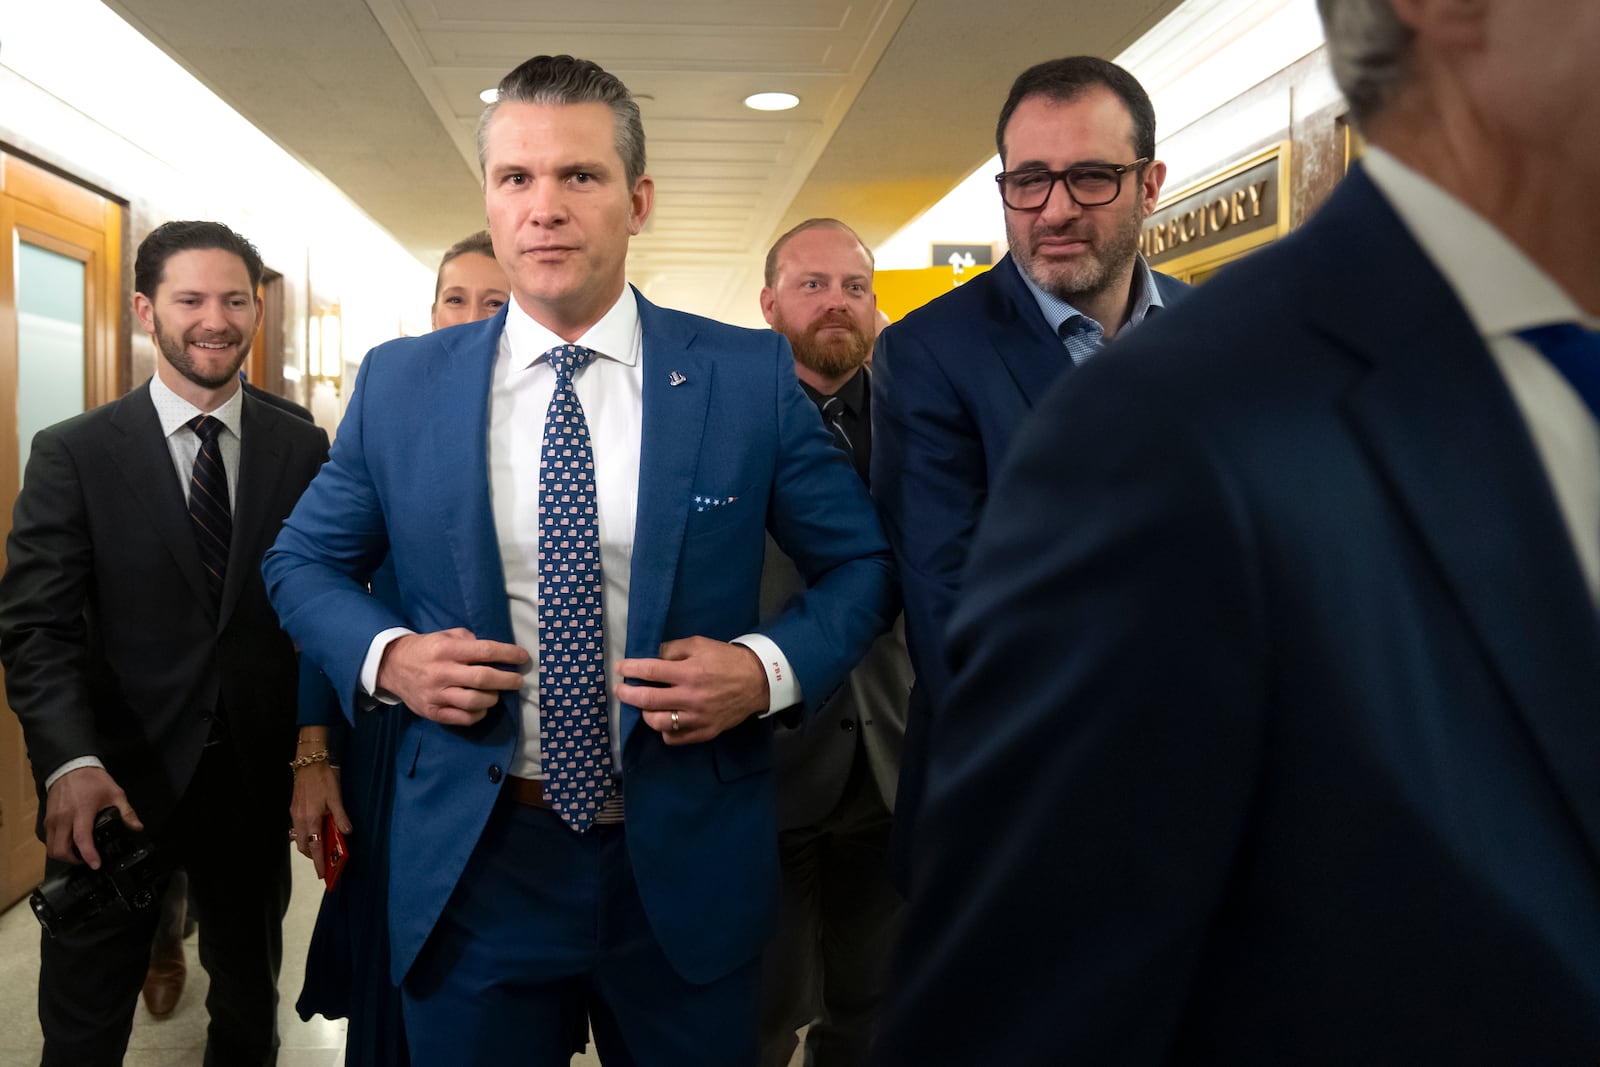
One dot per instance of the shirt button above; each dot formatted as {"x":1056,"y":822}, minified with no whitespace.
{"x":494,"y":773}
{"x":848,"y":725}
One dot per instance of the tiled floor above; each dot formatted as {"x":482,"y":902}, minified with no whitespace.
{"x":179,"y":1039}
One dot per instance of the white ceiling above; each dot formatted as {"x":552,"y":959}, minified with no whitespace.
{"x":898,"y":100}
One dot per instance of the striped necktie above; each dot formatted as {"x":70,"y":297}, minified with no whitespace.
{"x":209,"y":512}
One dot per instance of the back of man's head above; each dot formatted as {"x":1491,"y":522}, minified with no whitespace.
{"x":170,"y":238}
{"x":561,"y":80}
{"x":1066,"y":79}
{"x":1369,"y":48}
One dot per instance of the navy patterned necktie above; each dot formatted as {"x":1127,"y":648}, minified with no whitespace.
{"x":209,"y":511}
{"x":1575,"y":352}
{"x":574,"y":732}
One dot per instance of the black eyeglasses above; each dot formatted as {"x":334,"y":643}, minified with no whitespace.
{"x":1093,"y":185}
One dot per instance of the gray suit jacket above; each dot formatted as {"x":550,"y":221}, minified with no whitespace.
{"x":814,"y":757}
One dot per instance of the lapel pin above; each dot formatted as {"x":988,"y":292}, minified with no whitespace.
{"x":676,"y":379}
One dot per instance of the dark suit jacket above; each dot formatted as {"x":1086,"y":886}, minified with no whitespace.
{"x":867,"y":712}
{"x":111,"y":645}
{"x":284,"y":403}
{"x":1279,"y":683}
{"x":953,"y":383}
{"x":403,"y":479}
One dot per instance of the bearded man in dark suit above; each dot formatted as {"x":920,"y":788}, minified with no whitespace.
{"x":141,"y":655}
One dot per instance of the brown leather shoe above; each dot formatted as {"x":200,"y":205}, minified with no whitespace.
{"x":163,"y":985}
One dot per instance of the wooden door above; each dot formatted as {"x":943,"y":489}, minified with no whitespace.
{"x":60,"y":312}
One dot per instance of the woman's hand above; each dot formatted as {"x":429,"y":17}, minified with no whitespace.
{"x":316,"y":793}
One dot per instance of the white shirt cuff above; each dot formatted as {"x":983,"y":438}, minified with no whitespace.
{"x":782,"y":686}
{"x":72,"y":765}
{"x":369,"y":666}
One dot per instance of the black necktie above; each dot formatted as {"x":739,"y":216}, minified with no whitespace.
{"x":209,"y":512}
{"x":1575,"y":352}
{"x":833,"y":412}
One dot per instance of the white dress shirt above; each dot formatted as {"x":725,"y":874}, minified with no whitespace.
{"x":184,"y":444}
{"x":611,"y":390}
{"x":1504,"y":292}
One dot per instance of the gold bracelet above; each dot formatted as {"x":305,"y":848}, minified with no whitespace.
{"x":308,"y":760}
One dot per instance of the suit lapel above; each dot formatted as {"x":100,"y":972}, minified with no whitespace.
{"x":672,"y":435}
{"x":1031,"y":354}
{"x":459,"y":381}
{"x":1447,"y":434}
{"x":145,"y":460}
{"x":261,"y":467}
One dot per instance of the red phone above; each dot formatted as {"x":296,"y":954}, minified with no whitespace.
{"x":334,"y":851}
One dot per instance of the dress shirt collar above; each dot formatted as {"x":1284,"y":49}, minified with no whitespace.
{"x":615,"y":336}
{"x":1057,"y":312}
{"x":1502,"y":290}
{"x":174,"y":411}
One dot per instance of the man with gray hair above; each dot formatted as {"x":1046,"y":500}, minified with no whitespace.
{"x":1289,"y":753}
{"x":575,"y":495}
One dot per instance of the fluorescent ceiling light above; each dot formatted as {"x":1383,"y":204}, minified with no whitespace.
{"x":489,"y":96}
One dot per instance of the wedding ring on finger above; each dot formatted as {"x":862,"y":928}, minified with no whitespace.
{"x":313,"y":838}
{"x":676,"y":726}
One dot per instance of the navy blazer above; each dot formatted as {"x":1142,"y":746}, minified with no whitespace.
{"x":952,"y":384}
{"x":408,"y":476}
{"x":1280,"y":691}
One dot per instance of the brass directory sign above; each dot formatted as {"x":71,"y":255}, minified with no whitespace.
{"x":1220,"y":218}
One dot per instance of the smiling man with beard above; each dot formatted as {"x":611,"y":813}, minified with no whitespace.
{"x":957,"y":378}
{"x":839,"y":914}
{"x":147,"y":667}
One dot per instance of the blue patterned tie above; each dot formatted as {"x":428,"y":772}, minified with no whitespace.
{"x":209,"y":511}
{"x":574,"y":734}
{"x":1575,"y":352}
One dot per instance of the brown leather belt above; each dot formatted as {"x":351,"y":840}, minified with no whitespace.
{"x":529,"y":791}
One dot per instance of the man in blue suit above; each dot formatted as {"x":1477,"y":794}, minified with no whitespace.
{"x":574,"y":494}
{"x":1281,"y":729}
{"x":956,"y":379}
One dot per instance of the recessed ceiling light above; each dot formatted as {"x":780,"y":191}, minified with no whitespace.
{"x":489,"y":96}
{"x":771,"y":101}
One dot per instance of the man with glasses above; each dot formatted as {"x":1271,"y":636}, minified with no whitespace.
{"x":954,"y":380}
{"x":1284,"y":752}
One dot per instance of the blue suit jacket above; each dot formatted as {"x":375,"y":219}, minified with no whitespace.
{"x":408,"y":477}
{"x":1280,"y":692}
{"x":952,"y":383}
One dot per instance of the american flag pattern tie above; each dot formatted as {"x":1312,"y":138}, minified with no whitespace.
{"x":574,"y":732}
{"x":209,"y":512}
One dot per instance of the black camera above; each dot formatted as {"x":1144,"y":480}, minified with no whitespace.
{"x":126,"y":881}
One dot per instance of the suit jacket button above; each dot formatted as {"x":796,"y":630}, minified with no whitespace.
{"x":847,"y":725}
{"x":494,"y":773}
